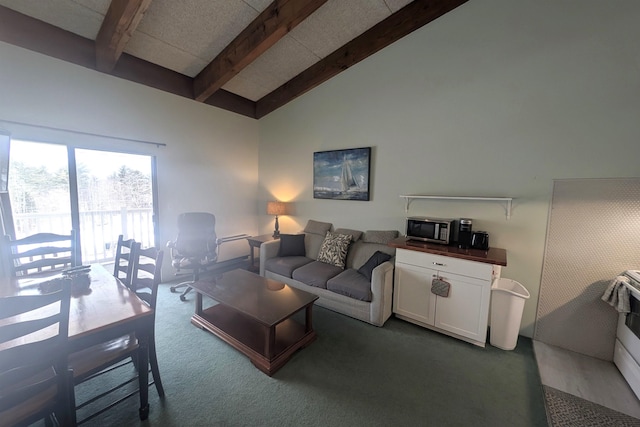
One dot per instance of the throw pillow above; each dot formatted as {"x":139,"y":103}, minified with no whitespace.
{"x":376,"y":259}
{"x":355,"y":234}
{"x":334,"y":249}
{"x":291,"y":245}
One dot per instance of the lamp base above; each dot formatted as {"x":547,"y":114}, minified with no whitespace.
{"x":276,"y":232}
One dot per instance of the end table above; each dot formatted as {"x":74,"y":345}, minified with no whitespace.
{"x":256,"y":242}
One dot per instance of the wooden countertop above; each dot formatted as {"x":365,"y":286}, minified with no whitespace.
{"x":496,"y":256}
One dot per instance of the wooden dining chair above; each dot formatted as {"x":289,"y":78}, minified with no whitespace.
{"x":99,"y":359}
{"x":41,"y":252}
{"x":122,"y":264}
{"x":35,"y":382}
{"x":145,"y":278}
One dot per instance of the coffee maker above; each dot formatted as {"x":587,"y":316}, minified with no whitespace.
{"x":464,"y":233}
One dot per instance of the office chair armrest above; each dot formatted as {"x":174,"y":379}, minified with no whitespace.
{"x":222,"y":240}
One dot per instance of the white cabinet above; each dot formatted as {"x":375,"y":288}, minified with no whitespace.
{"x":414,"y":298}
{"x":464,"y":313}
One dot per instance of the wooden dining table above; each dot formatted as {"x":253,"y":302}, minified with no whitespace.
{"x":104,"y":311}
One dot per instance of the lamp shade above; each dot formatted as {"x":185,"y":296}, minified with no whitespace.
{"x":277,"y":208}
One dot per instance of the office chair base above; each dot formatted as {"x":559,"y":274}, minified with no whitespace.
{"x":187,"y":285}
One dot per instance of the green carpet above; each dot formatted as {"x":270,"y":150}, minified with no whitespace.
{"x":354,"y":374}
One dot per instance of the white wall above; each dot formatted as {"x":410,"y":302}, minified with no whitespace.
{"x":497,"y":98}
{"x":210,"y":162}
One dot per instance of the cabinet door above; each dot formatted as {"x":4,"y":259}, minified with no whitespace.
{"x":464,"y":311}
{"x":412,"y":293}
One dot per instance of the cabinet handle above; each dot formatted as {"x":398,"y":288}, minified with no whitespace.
{"x":439,"y":263}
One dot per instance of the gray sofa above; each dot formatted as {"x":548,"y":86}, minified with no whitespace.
{"x":360,"y":287}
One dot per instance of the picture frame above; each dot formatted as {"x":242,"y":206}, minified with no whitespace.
{"x":342,"y":174}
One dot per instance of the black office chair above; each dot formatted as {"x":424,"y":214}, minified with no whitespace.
{"x":195,"y":247}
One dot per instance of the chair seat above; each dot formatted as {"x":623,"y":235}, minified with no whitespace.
{"x":93,"y":359}
{"x":45,"y":399}
{"x":191,"y":262}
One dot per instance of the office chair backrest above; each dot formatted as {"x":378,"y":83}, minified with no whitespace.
{"x":196,"y":234}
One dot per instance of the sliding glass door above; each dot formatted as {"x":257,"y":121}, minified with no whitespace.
{"x":39,"y":189}
{"x":101,"y":194}
{"x":115,"y":196}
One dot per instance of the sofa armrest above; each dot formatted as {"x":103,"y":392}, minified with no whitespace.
{"x":268,"y":250}
{"x":382,"y":292}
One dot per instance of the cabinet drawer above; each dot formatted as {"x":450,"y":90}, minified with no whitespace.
{"x":445,"y":264}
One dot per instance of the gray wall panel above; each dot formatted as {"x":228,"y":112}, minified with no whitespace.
{"x":593,"y":235}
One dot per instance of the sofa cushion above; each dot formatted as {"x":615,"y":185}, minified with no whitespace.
{"x":291,"y":245}
{"x":285,"y":266}
{"x":334,"y":249}
{"x":379,"y":236}
{"x":355,"y":234}
{"x":360,"y":252}
{"x":317,"y":227}
{"x":352,"y":284}
{"x":312,"y":243}
{"x":376,"y":259}
{"x":316,"y":273}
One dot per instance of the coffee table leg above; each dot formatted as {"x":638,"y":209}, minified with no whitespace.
{"x":198,"y":303}
{"x":308,"y":327}
{"x":270,"y":342}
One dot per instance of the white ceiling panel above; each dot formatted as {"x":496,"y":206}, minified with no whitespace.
{"x":338,"y":22}
{"x":258,"y":5}
{"x":100,"y":6}
{"x":157,"y":52}
{"x":80,"y":19}
{"x":245,"y":88}
{"x":285,"y":60}
{"x":186,"y":35}
{"x":200,"y":27}
{"x":396,"y":5}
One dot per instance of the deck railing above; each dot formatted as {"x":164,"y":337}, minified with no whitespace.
{"x":99,"y":230}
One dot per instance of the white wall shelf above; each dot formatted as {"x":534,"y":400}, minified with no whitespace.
{"x":506,"y":200}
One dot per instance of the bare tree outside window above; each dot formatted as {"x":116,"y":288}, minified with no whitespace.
{"x":114,"y":195}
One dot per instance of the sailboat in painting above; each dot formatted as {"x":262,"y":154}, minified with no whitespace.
{"x":341,"y":174}
{"x":347,"y":180}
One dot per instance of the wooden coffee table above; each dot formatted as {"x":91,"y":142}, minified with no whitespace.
{"x":253,"y":315}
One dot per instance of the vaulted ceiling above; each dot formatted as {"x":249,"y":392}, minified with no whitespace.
{"x":246,"y":56}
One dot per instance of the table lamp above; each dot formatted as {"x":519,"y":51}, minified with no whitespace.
{"x":277,"y":208}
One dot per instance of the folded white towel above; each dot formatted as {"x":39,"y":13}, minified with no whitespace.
{"x":617,"y":294}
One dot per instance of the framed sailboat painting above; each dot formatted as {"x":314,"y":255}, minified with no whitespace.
{"x":342,"y":174}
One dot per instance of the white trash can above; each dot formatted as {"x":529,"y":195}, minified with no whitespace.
{"x":507,"y":303}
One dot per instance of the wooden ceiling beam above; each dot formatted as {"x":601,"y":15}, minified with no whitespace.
{"x":271,"y":25}
{"x":118,"y":26}
{"x":38,"y":36}
{"x":408,"y":19}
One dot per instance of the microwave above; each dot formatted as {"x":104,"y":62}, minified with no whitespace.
{"x":432,"y":230}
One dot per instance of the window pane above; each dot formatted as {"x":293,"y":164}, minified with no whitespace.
{"x":39,"y":188}
{"x":114,"y":197}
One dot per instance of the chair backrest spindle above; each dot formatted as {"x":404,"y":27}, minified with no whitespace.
{"x":34,"y":382}
{"x":123,"y":262}
{"x":40,"y":253}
